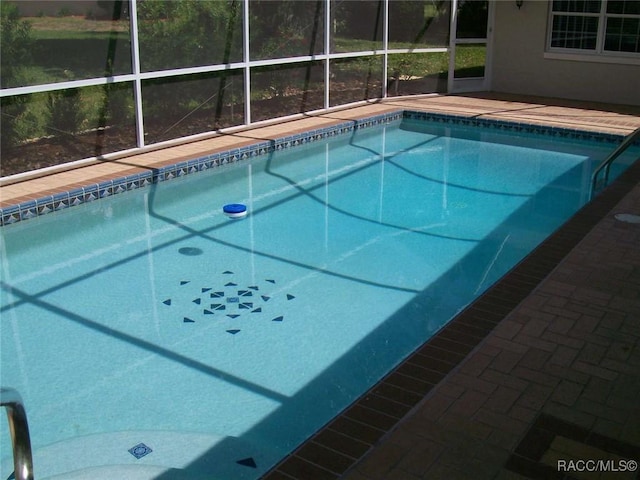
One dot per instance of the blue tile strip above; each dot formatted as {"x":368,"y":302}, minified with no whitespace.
{"x":60,"y":201}
{"x":513,"y":127}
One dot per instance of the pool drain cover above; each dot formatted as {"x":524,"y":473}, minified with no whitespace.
{"x":140,"y":450}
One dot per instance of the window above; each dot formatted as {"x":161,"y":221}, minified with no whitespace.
{"x":607,"y":27}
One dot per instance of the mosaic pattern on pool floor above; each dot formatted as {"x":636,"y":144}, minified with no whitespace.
{"x":228,"y":300}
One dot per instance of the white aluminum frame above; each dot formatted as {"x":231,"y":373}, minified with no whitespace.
{"x":137,"y":76}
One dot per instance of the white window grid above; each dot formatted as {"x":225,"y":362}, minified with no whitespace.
{"x":633,"y":19}
{"x":602,"y":18}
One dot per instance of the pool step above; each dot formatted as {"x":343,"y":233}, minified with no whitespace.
{"x":142,"y":455}
{"x":126,"y":472}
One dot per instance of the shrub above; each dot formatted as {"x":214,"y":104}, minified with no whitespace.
{"x":16,"y":41}
{"x":64,"y":108}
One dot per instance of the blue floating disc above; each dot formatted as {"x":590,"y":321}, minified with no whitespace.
{"x":235,"y":210}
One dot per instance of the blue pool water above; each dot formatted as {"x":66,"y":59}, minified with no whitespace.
{"x":148,"y":332}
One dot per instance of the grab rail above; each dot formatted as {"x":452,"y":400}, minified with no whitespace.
{"x":606,"y":164}
{"x":19,"y":429}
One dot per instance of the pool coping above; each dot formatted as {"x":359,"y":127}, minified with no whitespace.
{"x":153,"y":174}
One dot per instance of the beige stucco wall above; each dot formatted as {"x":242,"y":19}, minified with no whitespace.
{"x":519,"y":66}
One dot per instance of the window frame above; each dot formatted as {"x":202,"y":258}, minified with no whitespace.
{"x":597,"y":54}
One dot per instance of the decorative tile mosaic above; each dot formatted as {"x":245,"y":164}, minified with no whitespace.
{"x":10,"y":215}
{"x":507,"y":126}
{"x":140,"y":450}
{"x":248,"y":462}
{"x":31,"y":209}
{"x":227,"y":299}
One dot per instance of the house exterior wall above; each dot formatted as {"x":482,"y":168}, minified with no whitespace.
{"x":519,"y":64}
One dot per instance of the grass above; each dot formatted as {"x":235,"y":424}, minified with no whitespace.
{"x":76,"y":28}
{"x":74,"y":47}
{"x":359,"y":45}
{"x":418,"y":64}
{"x":470,"y":60}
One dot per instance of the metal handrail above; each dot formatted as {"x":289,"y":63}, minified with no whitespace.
{"x":606,"y":163}
{"x":19,"y":429}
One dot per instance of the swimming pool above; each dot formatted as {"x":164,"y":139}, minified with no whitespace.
{"x":149,"y":325}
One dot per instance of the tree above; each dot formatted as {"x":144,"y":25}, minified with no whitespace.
{"x":15,"y":35}
{"x":189,"y":33}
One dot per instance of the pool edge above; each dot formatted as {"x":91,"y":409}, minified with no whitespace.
{"x":97,"y":188}
{"x":340,"y":445}
{"x":143,"y":176}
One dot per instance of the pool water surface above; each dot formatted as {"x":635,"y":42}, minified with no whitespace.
{"x":150,"y":331}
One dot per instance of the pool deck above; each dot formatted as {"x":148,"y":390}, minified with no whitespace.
{"x":593,"y":117}
{"x":545,"y":366}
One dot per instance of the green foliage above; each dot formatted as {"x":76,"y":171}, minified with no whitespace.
{"x":65,"y":111}
{"x":113,"y":9}
{"x":12,"y":109}
{"x":16,"y":41}
{"x":119,"y":103}
{"x":285,"y":28}
{"x":412,"y":14}
{"x":359,"y":19}
{"x":189,"y":33}
{"x":183,"y":34}
{"x":64,"y":12}
{"x":470,"y":61}
{"x":417,"y":64}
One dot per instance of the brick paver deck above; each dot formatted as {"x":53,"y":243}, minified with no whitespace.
{"x":544,"y":367}
{"x":557,"y":380}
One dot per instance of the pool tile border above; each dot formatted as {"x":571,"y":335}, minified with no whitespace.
{"x":152,"y":175}
{"x":515,"y":127}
